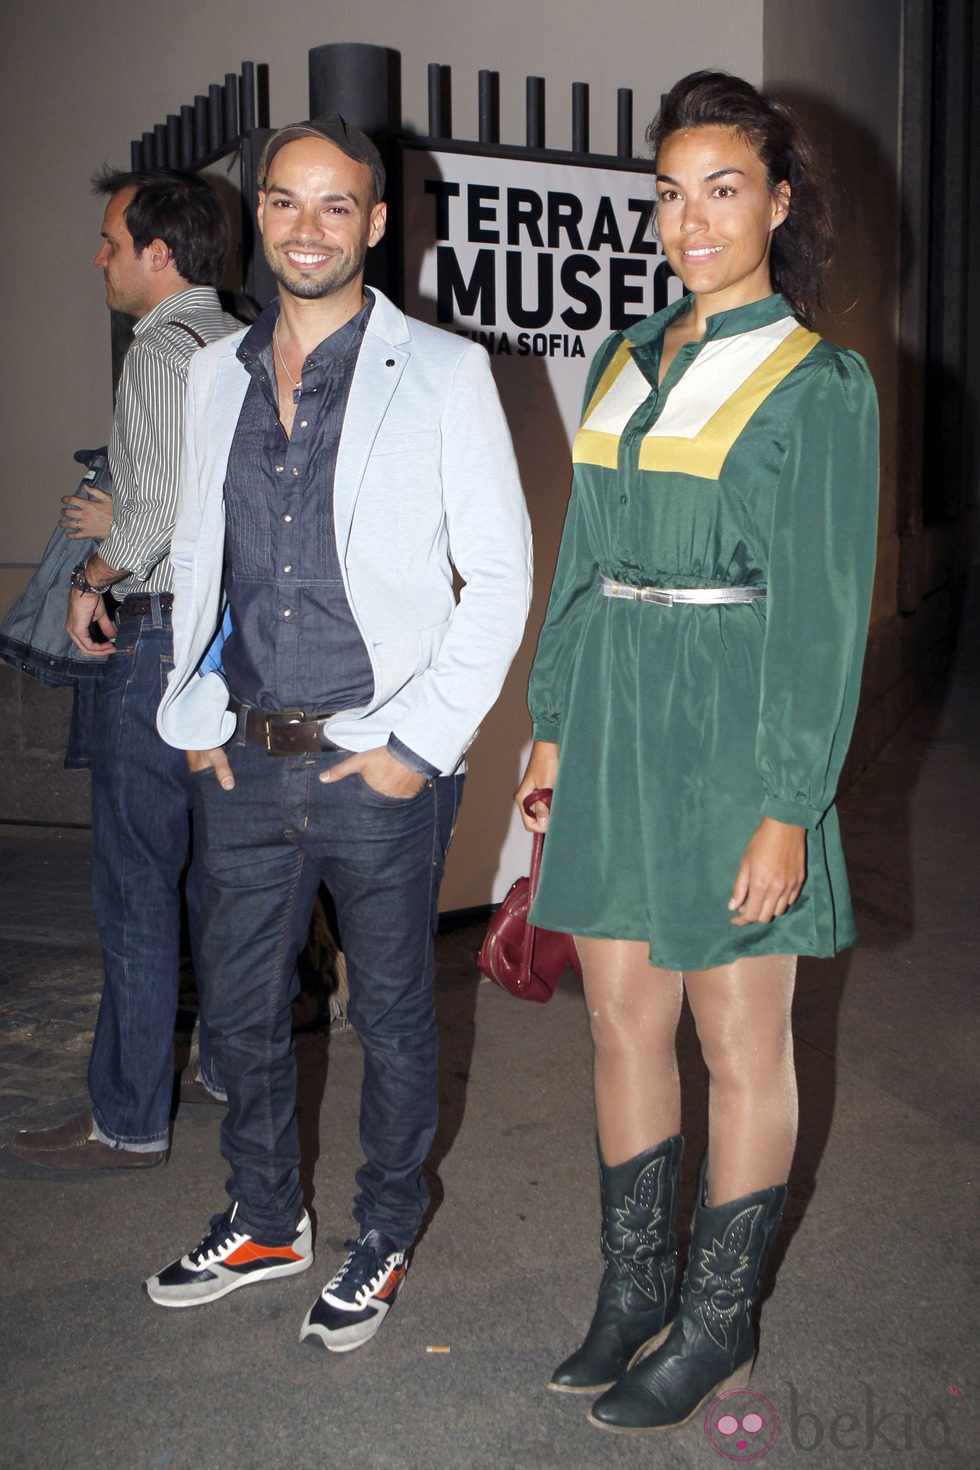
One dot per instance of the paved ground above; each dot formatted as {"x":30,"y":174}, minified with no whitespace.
{"x":869,"y":1335}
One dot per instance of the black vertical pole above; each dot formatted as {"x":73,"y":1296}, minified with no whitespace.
{"x":186,"y":136}
{"x":624,"y":123}
{"x":534,"y":94}
{"x":363,"y":83}
{"x":246,"y":104}
{"x":440,"y":101}
{"x":216,"y":103}
{"x":229,"y":120}
{"x":489,"y":106}
{"x":580,"y":117}
{"x":200,"y":126}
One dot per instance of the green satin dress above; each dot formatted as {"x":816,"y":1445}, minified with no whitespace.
{"x":753,"y":463}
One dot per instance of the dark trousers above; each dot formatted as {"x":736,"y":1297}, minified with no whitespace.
{"x":263,"y":849}
{"x":141,"y":795}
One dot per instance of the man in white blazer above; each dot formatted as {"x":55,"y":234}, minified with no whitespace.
{"x":340,"y":461}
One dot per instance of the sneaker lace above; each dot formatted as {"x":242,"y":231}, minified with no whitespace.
{"x":219,"y":1237}
{"x":363,"y":1258}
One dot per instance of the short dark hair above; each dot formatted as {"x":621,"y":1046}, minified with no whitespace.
{"x":802,"y":246}
{"x":336,"y":130}
{"x":180,"y":209}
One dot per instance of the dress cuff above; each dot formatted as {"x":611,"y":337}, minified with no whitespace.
{"x":549,"y":730}
{"x":793,"y":812}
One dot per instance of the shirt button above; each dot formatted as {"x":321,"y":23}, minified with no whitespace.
{"x":287,"y":612}
{"x":287,"y":518}
{"x":280,"y":468}
{"x":303,"y":423}
{"x":295,"y":470}
{"x":288,"y":567}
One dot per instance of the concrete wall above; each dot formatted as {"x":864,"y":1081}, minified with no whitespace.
{"x":858,"y":73}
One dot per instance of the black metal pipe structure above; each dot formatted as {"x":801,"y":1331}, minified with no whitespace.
{"x":209,"y":127}
{"x":363,"y":83}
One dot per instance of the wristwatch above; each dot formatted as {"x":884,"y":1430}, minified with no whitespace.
{"x":80,"y":581}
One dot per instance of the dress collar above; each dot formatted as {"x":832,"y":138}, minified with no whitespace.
{"x":719,"y":324}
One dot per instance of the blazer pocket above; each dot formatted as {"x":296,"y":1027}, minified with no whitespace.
{"x":396,"y":442}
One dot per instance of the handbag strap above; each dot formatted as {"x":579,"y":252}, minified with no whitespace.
{"x":537,"y":848}
{"x":544,"y":795}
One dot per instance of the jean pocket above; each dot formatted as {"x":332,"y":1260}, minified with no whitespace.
{"x":381,"y":798}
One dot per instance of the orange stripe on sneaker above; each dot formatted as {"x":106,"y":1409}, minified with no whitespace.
{"x":391,"y":1284}
{"x":252,"y":1251}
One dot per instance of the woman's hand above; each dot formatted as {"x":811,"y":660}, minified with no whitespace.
{"x":542,"y":768}
{"x":771,"y":873}
{"x":82,"y":519}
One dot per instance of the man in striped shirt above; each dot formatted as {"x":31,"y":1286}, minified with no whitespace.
{"x":164,"y":241}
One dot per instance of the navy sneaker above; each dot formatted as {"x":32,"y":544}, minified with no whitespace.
{"x":351,"y":1307}
{"x":227,"y":1259}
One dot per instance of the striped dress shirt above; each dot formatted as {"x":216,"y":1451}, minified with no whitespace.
{"x":144,"y":446}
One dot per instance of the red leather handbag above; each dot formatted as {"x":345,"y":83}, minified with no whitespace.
{"x":520,"y":958}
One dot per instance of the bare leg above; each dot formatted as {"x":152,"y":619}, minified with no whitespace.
{"x":634,"y":1009}
{"x":743,"y":1016}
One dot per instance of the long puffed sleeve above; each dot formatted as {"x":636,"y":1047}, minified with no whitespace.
{"x":573,"y":586}
{"x":821,"y":572}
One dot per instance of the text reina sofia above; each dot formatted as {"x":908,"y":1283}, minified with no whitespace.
{"x":533,"y":270}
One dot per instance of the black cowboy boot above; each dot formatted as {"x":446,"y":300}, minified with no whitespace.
{"x":711,"y":1345}
{"x":636,"y":1294}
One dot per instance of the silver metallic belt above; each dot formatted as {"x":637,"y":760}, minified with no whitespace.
{"x":668,"y":596}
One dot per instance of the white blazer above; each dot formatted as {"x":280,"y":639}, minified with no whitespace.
{"x":426,"y":480}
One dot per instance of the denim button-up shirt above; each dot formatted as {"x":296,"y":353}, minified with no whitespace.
{"x":294,"y":642}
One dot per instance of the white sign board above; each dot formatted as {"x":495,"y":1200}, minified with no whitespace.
{"x":538,"y":261}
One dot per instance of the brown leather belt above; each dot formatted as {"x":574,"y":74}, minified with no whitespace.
{"x":285,"y":731}
{"x":138,"y":604}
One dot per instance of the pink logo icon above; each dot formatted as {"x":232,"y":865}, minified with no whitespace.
{"x":741,"y":1425}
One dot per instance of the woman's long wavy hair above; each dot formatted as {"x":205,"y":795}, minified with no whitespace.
{"x":803,"y":244}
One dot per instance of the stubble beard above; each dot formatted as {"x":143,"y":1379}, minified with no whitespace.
{"x":314,"y":288}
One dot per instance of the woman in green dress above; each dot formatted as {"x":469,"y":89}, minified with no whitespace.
{"x":693,"y":695}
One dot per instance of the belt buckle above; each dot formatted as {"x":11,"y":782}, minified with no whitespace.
{"x":280,"y":717}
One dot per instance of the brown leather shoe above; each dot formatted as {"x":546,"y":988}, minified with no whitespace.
{"x":70,"y":1146}
{"x":193,"y":1090}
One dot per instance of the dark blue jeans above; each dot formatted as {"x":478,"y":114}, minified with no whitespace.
{"x":141,"y":794}
{"x":263,"y":848}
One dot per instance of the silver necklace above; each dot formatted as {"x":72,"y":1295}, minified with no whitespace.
{"x":296,"y":382}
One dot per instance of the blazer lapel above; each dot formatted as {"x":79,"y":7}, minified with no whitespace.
{"x":383,"y":358}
